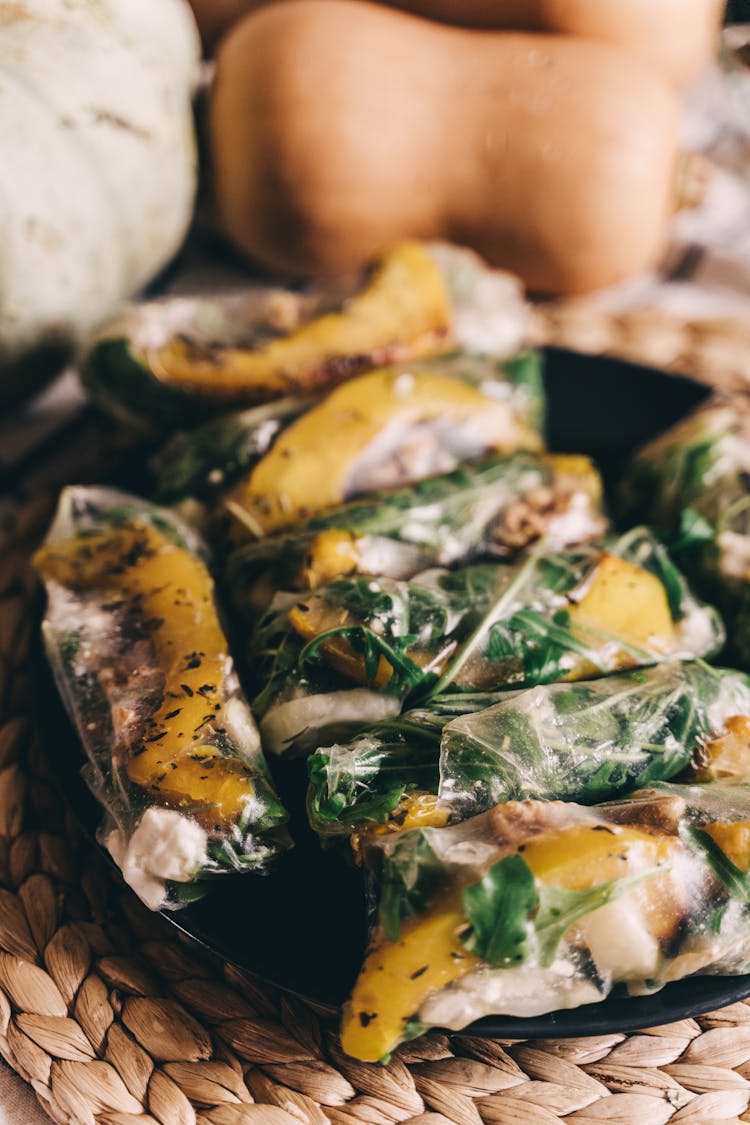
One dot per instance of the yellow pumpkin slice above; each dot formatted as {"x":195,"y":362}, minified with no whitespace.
{"x":727,"y":755}
{"x":734,"y":841}
{"x":577,"y":473}
{"x":626,"y":603}
{"x":420,"y":810}
{"x":583,"y":855}
{"x":333,"y":553}
{"x":312,"y":464}
{"x":401,"y":313}
{"x":215,"y":788}
{"x":315,"y":616}
{"x":415,"y":810}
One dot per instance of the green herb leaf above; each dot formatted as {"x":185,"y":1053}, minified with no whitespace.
{"x":499,"y":908}
{"x":413,"y":1028}
{"x":508,"y":904}
{"x":559,"y":909}
{"x":411,"y":878}
{"x":736,"y":882}
{"x":693,"y":530}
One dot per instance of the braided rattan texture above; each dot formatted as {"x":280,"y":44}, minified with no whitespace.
{"x":114,"y":1020}
{"x":716,"y":351}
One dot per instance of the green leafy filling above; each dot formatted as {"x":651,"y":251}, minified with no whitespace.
{"x":736,"y":882}
{"x":499,"y":908}
{"x":410,"y":880}
{"x":508,"y":906}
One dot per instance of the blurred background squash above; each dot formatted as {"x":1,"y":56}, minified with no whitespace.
{"x":338,"y":127}
{"x":678,"y":37}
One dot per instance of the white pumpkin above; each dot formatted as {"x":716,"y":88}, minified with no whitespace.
{"x":97,"y":160}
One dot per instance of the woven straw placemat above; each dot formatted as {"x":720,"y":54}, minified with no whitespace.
{"x":711,"y":350}
{"x":113,"y":1018}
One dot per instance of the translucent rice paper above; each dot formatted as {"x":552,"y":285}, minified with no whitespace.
{"x":692,"y":485}
{"x":535,"y":906}
{"x":587,"y":741}
{"x":493,"y":507}
{"x":143,"y":668}
{"x":205,"y":460}
{"x":372,"y":778}
{"x":359,"y":649}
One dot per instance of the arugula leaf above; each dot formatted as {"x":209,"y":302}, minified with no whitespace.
{"x":412,"y":1029}
{"x":411,"y":878}
{"x":499,"y":908}
{"x":504,"y":594}
{"x":736,"y":882}
{"x":406,"y":675}
{"x":560,"y":908}
{"x":693,"y":530}
{"x":508,"y":904}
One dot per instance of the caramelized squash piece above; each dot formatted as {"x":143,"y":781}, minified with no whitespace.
{"x":402,"y":312}
{"x":577,"y":472}
{"x":174,"y":593}
{"x":628,"y":603}
{"x":414,"y":810}
{"x":583,"y":855}
{"x":728,"y":755}
{"x":734,"y":841}
{"x":332,"y":554}
{"x":206,"y":778}
{"x":315,"y":616}
{"x":421,"y":810}
{"x":313,"y":463}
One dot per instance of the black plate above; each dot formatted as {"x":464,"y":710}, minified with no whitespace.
{"x":303,"y":928}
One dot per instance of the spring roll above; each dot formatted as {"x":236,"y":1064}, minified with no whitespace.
{"x":586,"y":742}
{"x":166,"y":364}
{"x":537,"y":906}
{"x":692,"y":485}
{"x":142,"y":664}
{"x":490,"y":508}
{"x":358,"y":649}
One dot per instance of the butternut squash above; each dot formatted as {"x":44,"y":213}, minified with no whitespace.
{"x":174,"y":591}
{"x":397,"y":977}
{"x":678,"y":37}
{"x":726,"y":757}
{"x":734,"y":841}
{"x":339,"y":127}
